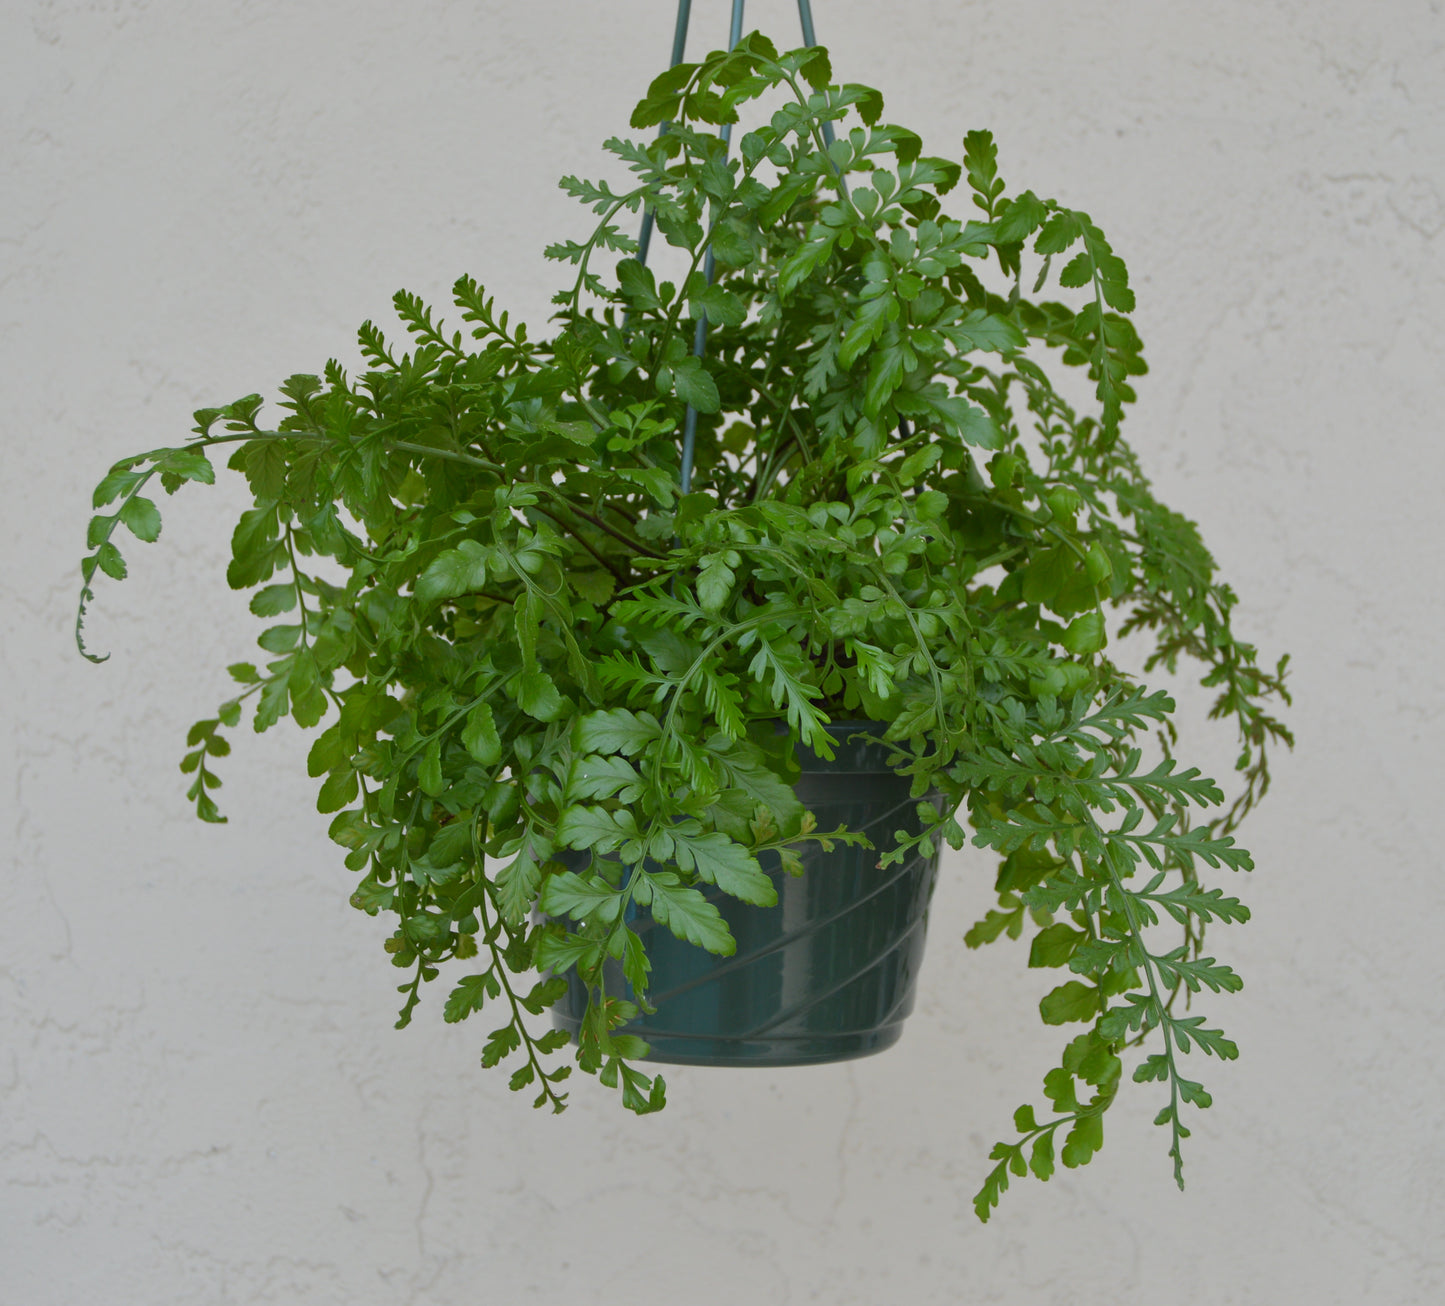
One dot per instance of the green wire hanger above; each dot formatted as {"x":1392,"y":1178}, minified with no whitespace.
{"x":644,"y":239}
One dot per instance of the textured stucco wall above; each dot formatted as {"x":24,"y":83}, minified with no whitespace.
{"x":201,"y":1097}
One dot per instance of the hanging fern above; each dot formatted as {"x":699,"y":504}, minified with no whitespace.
{"x":540,"y":644}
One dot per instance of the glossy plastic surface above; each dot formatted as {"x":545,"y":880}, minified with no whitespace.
{"x":826,"y":975}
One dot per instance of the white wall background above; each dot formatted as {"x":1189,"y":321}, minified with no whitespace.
{"x":201,"y":1096}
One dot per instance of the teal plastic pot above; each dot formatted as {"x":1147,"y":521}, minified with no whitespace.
{"x":826,"y":975}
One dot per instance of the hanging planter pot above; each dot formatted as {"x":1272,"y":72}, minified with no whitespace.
{"x":827,"y":974}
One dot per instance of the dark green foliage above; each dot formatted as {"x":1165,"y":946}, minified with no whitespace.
{"x":538,"y":645}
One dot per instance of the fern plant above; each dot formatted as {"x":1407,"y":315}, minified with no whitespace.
{"x":526,"y":627}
